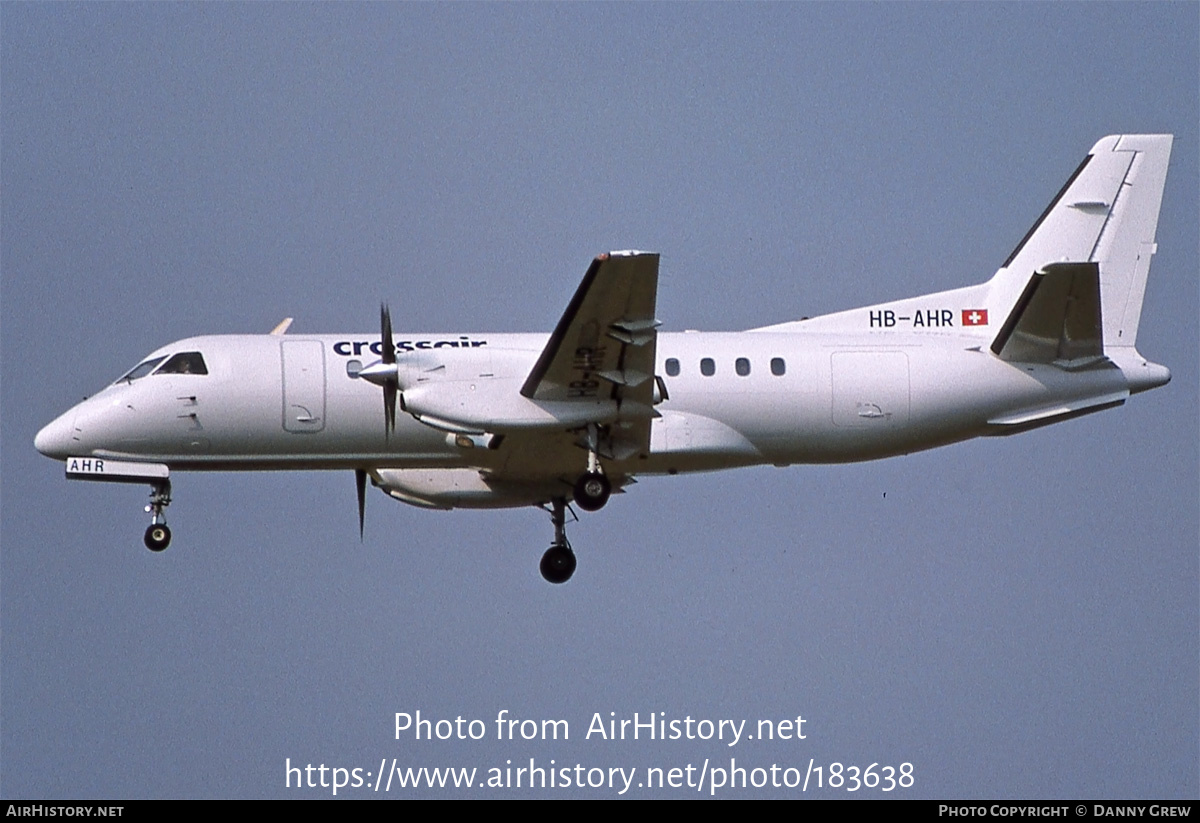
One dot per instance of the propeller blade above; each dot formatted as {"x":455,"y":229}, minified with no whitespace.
{"x":389,"y":407}
{"x":360,"y":480}
{"x":385,"y":322}
{"x":388,"y":354}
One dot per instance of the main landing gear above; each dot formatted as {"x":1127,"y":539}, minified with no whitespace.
{"x":558,"y":563}
{"x":158,"y":536}
{"x":592,"y":488}
{"x":590,"y":492}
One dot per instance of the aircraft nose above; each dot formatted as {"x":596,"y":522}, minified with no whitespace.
{"x":57,"y":438}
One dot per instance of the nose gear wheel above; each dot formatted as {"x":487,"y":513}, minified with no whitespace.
{"x":158,"y":535}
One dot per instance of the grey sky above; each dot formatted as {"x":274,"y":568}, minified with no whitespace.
{"x":1018,"y":617}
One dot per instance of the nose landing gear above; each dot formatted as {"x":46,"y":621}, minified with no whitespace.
{"x":158,"y":536}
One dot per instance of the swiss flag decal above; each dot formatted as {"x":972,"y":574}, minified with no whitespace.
{"x":974,"y":317}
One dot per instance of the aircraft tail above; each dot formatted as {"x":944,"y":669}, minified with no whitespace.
{"x":1057,"y":319}
{"x":1071,"y":291}
{"x":1093,"y":243}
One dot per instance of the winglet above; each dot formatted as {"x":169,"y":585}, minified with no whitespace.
{"x":283,"y":326}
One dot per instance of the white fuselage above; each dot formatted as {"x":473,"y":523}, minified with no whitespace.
{"x":280,"y":402}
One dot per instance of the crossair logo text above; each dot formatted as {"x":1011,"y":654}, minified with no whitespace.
{"x":348,"y":348}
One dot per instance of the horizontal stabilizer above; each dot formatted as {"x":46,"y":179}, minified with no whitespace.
{"x":1056,"y":319}
{"x":1035,"y":419}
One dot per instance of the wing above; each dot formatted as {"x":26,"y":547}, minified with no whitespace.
{"x":604,"y":347}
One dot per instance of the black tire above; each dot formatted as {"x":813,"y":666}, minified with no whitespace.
{"x":158,"y":537}
{"x":558,"y":564}
{"x":592,"y":491}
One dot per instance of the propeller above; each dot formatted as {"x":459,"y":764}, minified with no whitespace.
{"x":385,"y":373}
{"x":389,"y":358}
{"x":360,"y":479}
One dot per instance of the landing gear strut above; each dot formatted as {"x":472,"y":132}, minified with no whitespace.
{"x":558,"y":563}
{"x":158,"y":536}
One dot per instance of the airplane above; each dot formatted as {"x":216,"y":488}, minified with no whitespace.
{"x":474,"y":420}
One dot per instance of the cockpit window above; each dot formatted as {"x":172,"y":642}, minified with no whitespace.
{"x":188,"y":362}
{"x":142,"y":369}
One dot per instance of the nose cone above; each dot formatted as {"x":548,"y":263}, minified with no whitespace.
{"x":57,"y":438}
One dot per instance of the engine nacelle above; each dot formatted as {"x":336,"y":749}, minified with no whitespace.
{"x":451,"y":489}
{"x":497,"y":406}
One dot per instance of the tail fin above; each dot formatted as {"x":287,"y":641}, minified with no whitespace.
{"x":1106,"y":215}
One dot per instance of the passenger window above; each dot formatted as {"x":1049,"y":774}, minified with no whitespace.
{"x":353,"y":367}
{"x":707,"y":367}
{"x":672,"y":367}
{"x":741,"y":366}
{"x":188,"y":362}
{"x":778,"y":367}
